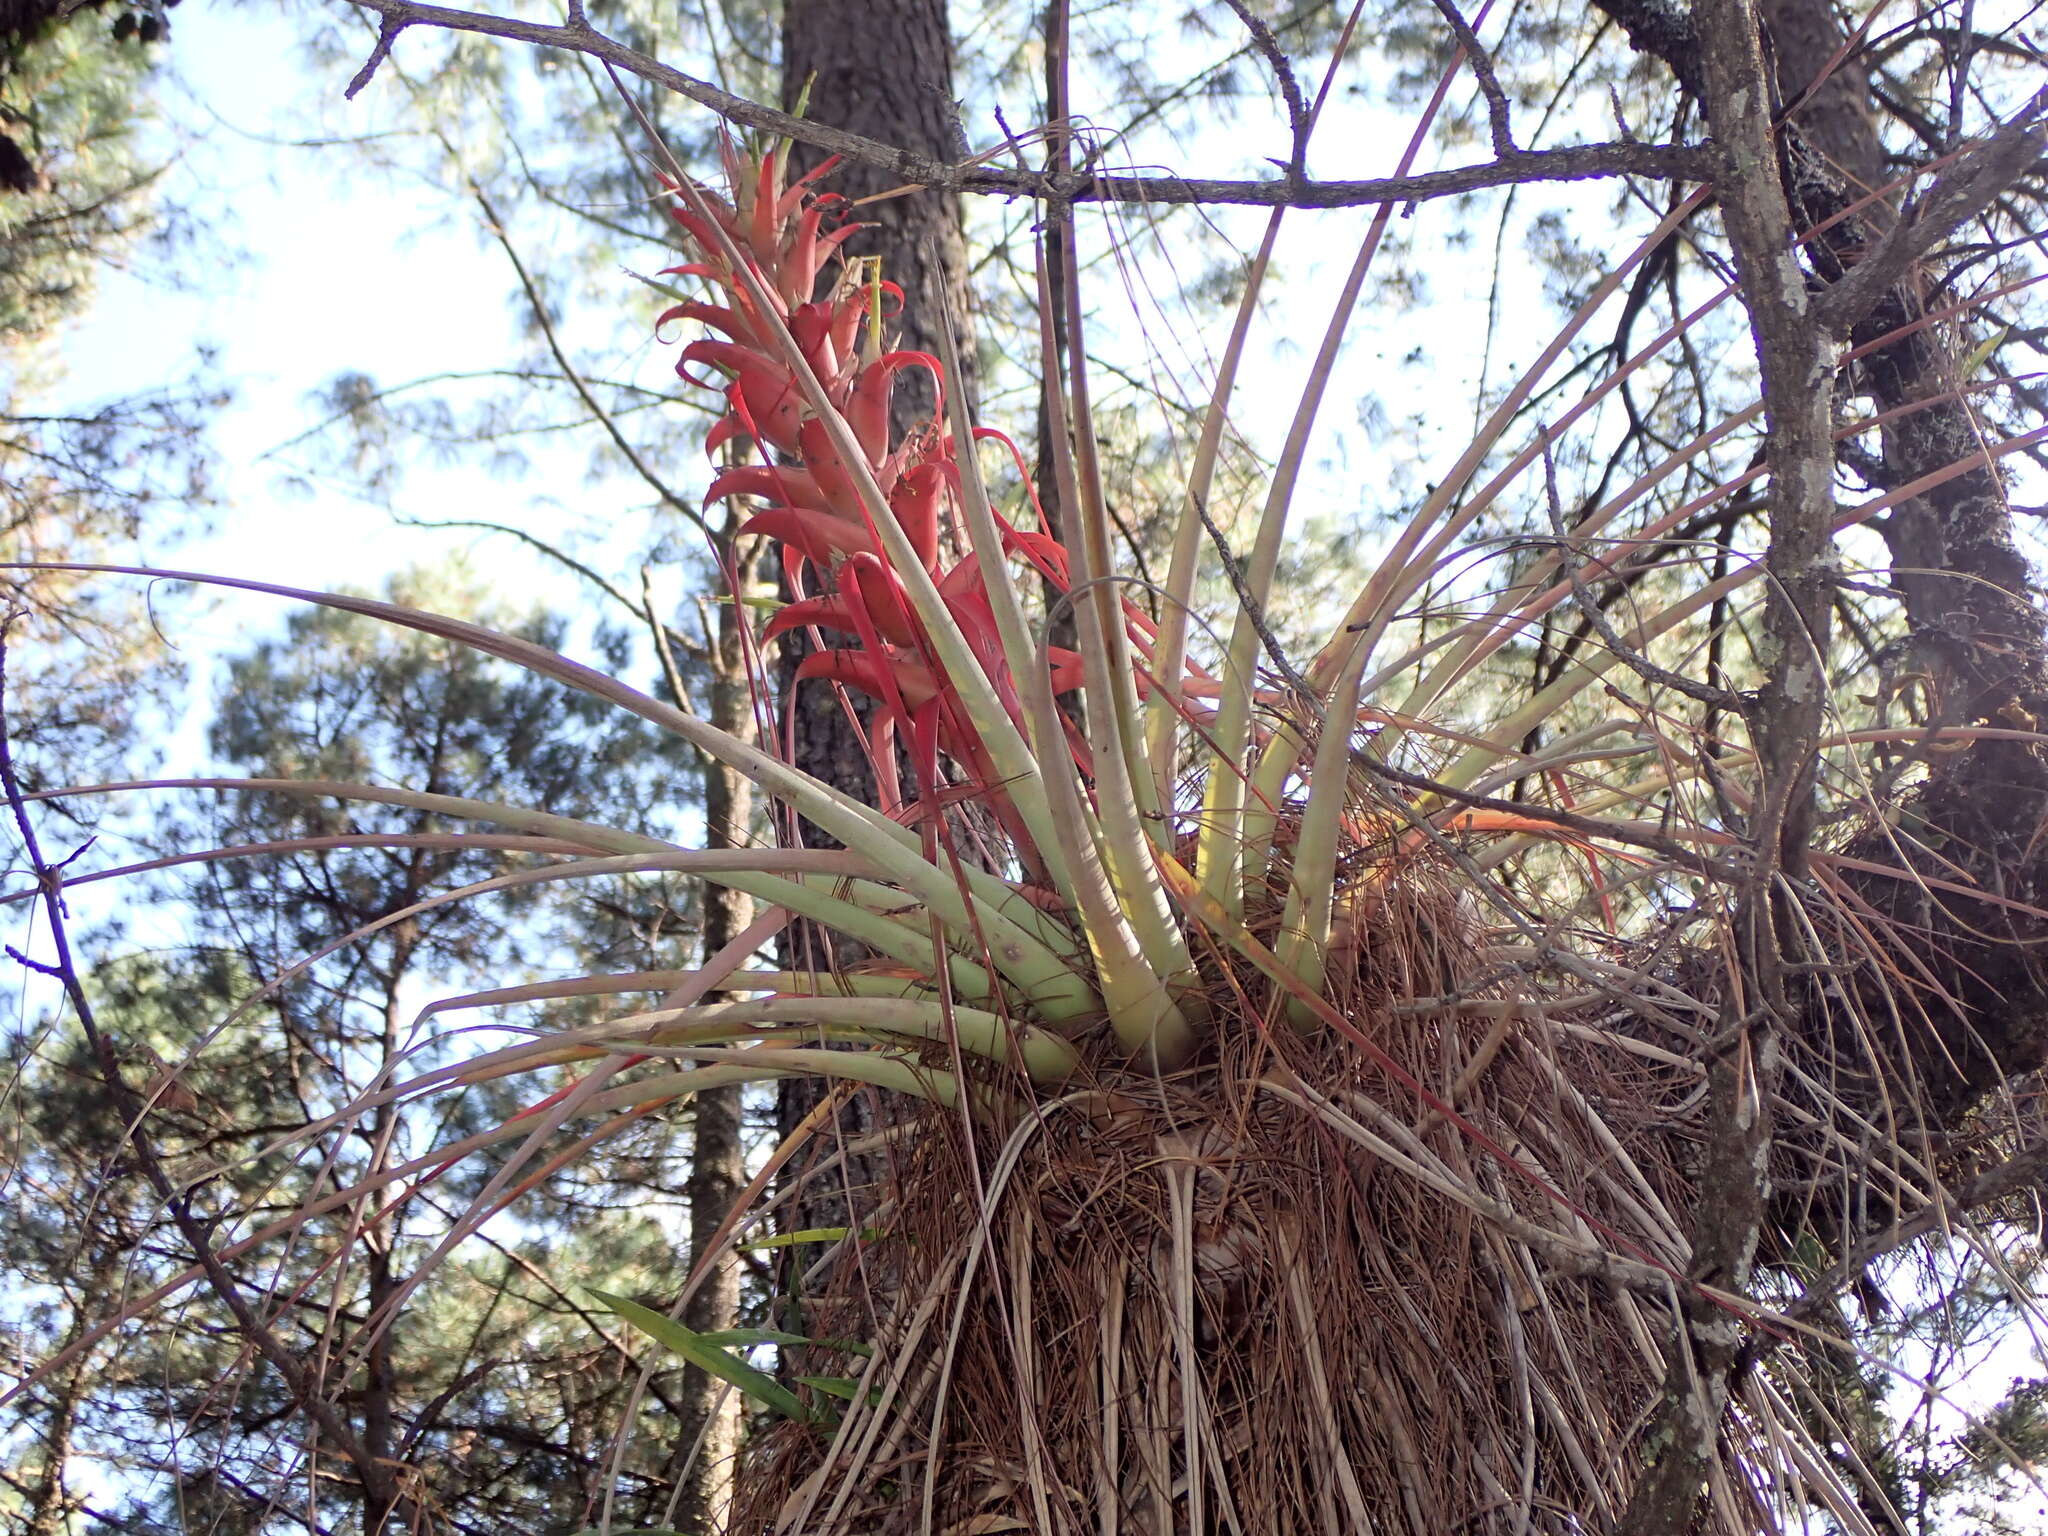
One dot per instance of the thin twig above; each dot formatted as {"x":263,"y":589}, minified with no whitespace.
{"x":1962,"y":192}
{"x":598,"y":413}
{"x":1571,"y":562}
{"x":1298,"y":119}
{"x":387,"y":34}
{"x":1497,"y":119}
{"x":1252,"y":608}
{"x":2022,"y":1173}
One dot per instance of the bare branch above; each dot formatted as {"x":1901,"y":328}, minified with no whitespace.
{"x":387,"y":34}
{"x":1497,"y":118}
{"x":1298,"y":118}
{"x":1584,"y":162}
{"x":2022,"y":1173}
{"x":1796,"y":360}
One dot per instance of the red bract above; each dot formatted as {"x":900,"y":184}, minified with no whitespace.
{"x":811,"y":499}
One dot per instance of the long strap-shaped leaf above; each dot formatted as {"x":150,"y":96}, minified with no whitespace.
{"x":1221,"y":851}
{"x":1152,"y":1016}
{"x":1143,"y":1013}
{"x":1044,"y":1055}
{"x":1013,"y":631}
{"x":809,"y":983}
{"x":701,"y":1351}
{"x":588,"y":834}
{"x":1169,"y":657}
{"x":1170,"y":651}
{"x":1517,"y":612}
{"x":442,"y":842}
{"x":1589,"y":669}
{"x":1340,"y":670}
{"x":1021,"y":939}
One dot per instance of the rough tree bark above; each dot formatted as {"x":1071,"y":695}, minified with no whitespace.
{"x":1967,"y":589}
{"x":1760,"y":1005}
{"x":1060,"y":629}
{"x":1977,"y":632}
{"x":885,"y":70}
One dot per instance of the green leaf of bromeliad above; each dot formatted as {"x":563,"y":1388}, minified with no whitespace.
{"x":701,"y":1352}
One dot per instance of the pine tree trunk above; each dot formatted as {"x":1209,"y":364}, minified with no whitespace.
{"x":884,"y":70}
{"x":1967,"y":592}
{"x":1060,"y":627}
{"x":1969,"y":1004}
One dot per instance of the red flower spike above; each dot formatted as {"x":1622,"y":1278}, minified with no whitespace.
{"x":848,"y":313}
{"x":895,"y":706}
{"x":924,"y":745}
{"x":705,"y":314}
{"x":1066,"y":669}
{"x":798,"y":279}
{"x":1047,"y":555}
{"x":723,"y":431}
{"x":867,"y":410}
{"x":963,"y":583}
{"x":728,"y":357}
{"x":829,"y":473}
{"x":765,"y":230}
{"x":794,"y":197}
{"x":699,"y":232}
{"x":811,"y":325}
{"x":729,"y":157}
{"x":781,"y":484}
{"x":830,"y":612}
{"x":881,"y":741}
{"x":769,"y":402}
{"x":814,"y":511}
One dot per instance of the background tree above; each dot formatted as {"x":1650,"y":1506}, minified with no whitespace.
{"x":77,"y":195}
{"x":502,"y":1396}
{"x":887,"y":72}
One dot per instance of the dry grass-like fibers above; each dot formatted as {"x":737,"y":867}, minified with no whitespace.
{"x":1275,"y":1292}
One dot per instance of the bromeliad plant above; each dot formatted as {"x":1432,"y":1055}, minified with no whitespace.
{"x":1210,"y":910}
{"x":947,"y":654}
{"x":1293,"y":1124}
